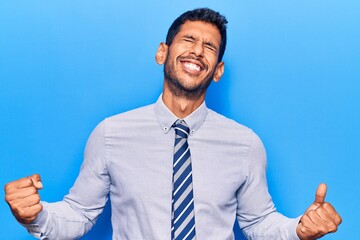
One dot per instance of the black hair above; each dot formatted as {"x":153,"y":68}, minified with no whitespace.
{"x":200,"y":14}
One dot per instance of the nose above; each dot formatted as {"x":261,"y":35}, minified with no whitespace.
{"x":198,"y":48}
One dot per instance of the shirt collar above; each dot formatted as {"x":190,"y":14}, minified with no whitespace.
{"x":166,"y":118}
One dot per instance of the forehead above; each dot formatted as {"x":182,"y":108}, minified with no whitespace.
{"x":202,"y":30}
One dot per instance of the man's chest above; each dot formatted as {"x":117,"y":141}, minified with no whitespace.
{"x":142,"y":172}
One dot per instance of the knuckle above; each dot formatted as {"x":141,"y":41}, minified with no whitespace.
{"x":20,"y":212}
{"x":311,"y":213}
{"x":322,"y":230}
{"x":7,"y":187}
{"x":33,"y":190}
{"x":7,"y":199}
{"x":14,"y":206}
{"x":332,"y":227}
{"x":326,"y":205}
{"x":319,"y":209}
{"x":339,"y":220}
{"x":37,"y":176}
{"x":37,"y":198}
{"x":28,"y":181}
{"x":24,"y":213}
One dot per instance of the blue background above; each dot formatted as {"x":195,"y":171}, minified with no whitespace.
{"x":292,"y":71}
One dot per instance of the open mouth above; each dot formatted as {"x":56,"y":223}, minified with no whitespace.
{"x":192,"y":66}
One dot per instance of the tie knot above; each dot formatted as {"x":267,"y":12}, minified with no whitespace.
{"x":181,"y":129}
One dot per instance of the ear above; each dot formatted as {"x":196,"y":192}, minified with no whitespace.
{"x":161,"y":53}
{"x":219,"y":71}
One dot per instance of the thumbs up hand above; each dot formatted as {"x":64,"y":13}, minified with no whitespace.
{"x":319,"y":219}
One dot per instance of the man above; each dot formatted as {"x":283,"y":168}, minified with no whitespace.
{"x":194,"y":188}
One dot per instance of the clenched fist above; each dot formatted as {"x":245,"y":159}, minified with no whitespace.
{"x":23,"y":198}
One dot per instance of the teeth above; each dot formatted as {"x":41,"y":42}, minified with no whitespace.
{"x":192,"y":66}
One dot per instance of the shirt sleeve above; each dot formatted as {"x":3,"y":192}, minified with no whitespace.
{"x":256,"y":212}
{"x":78,"y":211}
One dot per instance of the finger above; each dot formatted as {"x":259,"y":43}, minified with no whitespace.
{"x":36,"y":179}
{"x":27,"y":215}
{"x":317,"y":221}
{"x":324,"y":213}
{"x":334,"y":215}
{"x":328,"y":220}
{"x":311,"y":226}
{"x":26,"y":202}
{"x":320,"y":194}
{"x":323,"y":222}
{"x":305,"y":226}
{"x":21,"y":194}
{"x":20,"y":183}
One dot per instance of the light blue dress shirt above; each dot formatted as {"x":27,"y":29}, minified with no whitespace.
{"x":128,"y":158}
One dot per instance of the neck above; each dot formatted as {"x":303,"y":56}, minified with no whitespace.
{"x":181,"y":106}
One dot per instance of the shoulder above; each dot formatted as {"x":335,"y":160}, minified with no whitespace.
{"x":132,"y":117}
{"x":232,"y":130}
{"x":141,"y":112}
{"x":223,"y":123}
{"x":129,"y":119}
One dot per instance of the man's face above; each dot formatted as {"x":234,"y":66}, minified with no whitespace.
{"x":192,"y":59}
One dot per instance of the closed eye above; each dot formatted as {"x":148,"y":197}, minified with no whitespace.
{"x":210,"y":46}
{"x":189,"y":39}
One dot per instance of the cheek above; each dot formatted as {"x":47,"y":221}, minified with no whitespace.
{"x":213,"y":59}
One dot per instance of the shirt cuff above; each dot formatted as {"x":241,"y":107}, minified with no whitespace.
{"x":295,"y":222}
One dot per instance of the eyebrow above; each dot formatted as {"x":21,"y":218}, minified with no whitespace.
{"x":189,"y":37}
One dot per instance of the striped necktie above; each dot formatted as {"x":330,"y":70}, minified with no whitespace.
{"x":183,"y":217}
